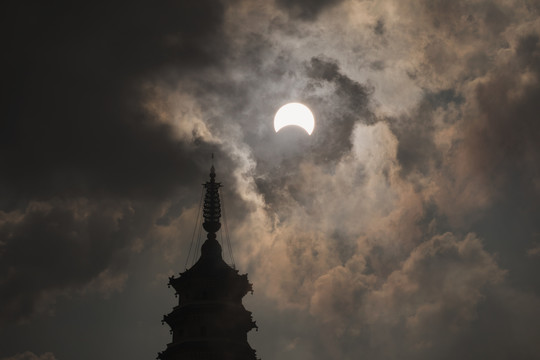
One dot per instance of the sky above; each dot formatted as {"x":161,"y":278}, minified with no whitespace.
{"x":406,"y":226}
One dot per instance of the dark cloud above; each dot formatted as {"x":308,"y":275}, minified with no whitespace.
{"x":31,"y":356}
{"x":75,"y":134}
{"x":74,"y":122}
{"x":502,"y":143}
{"x":346,"y":103}
{"x":456,"y":17}
{"x":501,"y":153}
{"x":379,"y":27}
{"x":355,"y":96}
{"x":417,"y":150}
{"x":52,"y":248}
{"x":307,"y":9}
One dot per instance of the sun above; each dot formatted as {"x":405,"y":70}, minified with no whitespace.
{"x":294,"y":114}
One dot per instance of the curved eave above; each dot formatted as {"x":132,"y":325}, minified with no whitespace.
{"x":229,"y":282}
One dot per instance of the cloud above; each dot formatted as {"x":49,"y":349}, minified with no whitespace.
{"x":75,"y":120}
{"x":85,"y":157}
{"x":307,"y":9}
{"x":51,"y":248}
{"x":502,"y":139}
{"x":363,"y":233}
{"x":31,"y":356}
{"x":431,"y":299}
{"x":418,"y":151}
{"x":324,"y":217}
{"x":438,"y":288}
{"x":534,"y":251}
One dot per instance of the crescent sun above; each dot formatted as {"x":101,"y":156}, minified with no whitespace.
{"x":294,"y":114}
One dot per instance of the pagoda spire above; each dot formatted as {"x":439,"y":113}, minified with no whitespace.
{"x":212,"y":205}
{"x":211,"y":249}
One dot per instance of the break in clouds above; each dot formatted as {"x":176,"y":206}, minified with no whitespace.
{"x":405,"y":226}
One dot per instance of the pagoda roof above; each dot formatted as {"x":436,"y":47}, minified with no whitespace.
{"x":210,"y":263}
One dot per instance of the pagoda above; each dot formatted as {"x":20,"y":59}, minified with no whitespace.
{"x":210,"y":321}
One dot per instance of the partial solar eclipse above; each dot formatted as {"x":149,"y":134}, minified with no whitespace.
{"x":294,"y":114}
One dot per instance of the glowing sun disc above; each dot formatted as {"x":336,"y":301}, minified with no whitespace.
{"x":294,"y":114}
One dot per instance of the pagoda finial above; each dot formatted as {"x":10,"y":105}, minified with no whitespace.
{"x":212,"y":205}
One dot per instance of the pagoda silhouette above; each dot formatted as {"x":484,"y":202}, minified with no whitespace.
{"x":210,"y":321}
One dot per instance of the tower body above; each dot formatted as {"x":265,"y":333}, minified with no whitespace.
{"x":210,"y":321}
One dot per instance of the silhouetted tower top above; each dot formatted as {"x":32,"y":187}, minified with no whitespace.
{"x":210,"y":321}
{"x":212,"y":206}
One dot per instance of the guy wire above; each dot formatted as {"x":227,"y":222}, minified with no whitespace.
{"x":227,"y":229}
{"x":199,"y":210}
